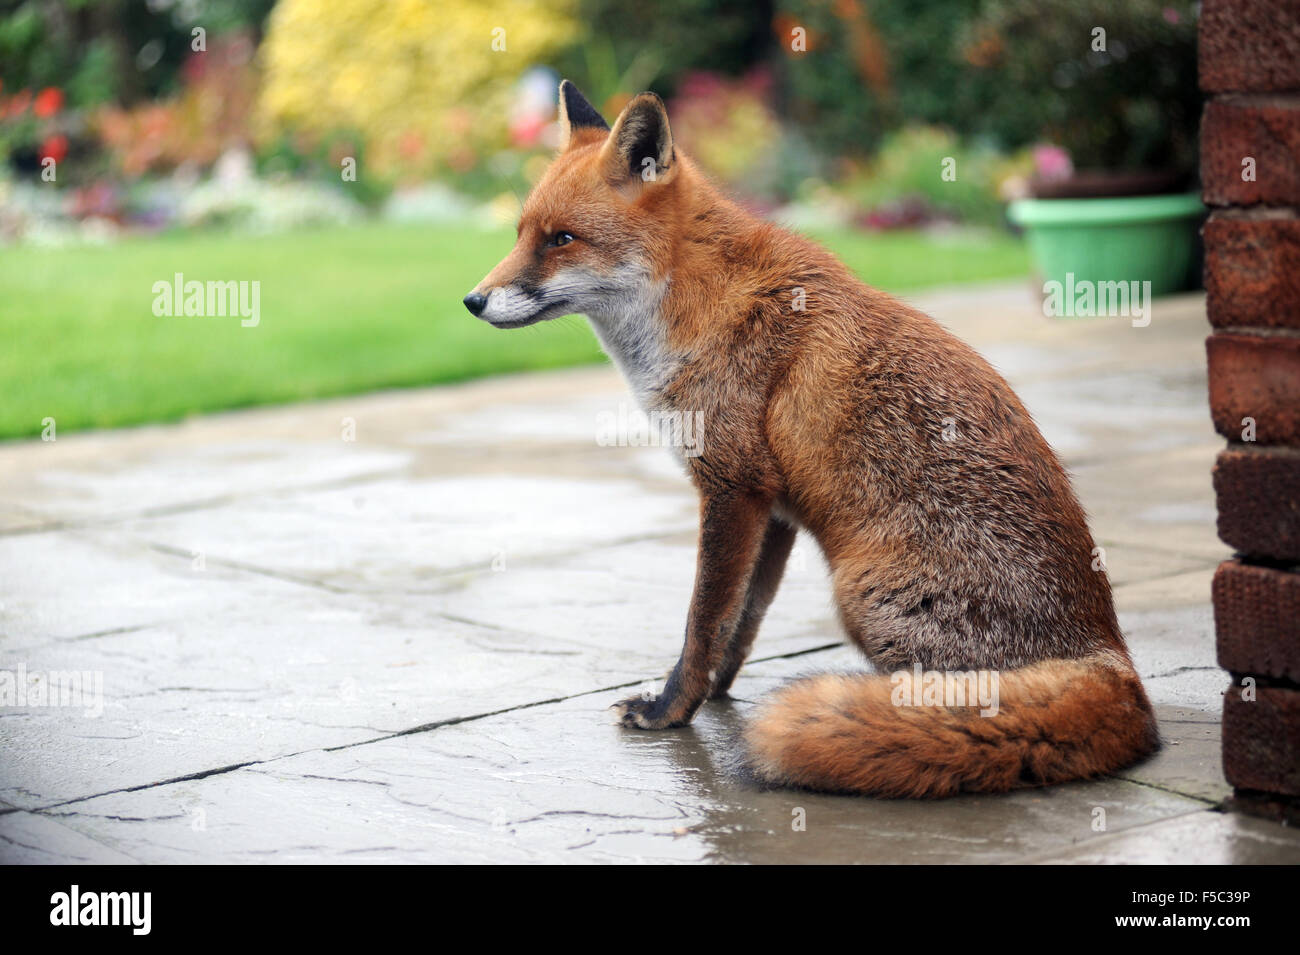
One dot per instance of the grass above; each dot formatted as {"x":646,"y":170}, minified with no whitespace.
{"x":342,"y":311}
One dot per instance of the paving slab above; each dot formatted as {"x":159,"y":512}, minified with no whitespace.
{"x":1162,"y":501}
{"x":32,"y":839}
{"x":501,"y":790}
{"x":84,"y":584}
{"x":638,"y":594}
{"x":273,"y":675}
{"x":1197,"y":838}
{"x":1190,"y":762}
{"x":387,"y":628}
{"x":1173,"y":649}
{"x":409,"y":534}
{"x":132,"y":476}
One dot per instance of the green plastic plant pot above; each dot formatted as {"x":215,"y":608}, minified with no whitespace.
{"x":1138,"y":238}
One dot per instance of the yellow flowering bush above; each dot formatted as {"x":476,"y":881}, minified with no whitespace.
{"x":425,"y":83}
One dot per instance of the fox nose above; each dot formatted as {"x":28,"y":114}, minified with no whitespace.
{"x":475,"y":301}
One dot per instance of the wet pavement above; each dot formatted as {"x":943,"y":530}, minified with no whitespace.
{"x":388,"y":628}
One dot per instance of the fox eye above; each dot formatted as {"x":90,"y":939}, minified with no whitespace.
{"x":560,"y":238}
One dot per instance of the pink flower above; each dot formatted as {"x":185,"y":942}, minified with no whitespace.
{"x":1052,"y":163}
{"x":527,"y":130}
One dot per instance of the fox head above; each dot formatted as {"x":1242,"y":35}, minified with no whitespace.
{"x":593,"y":234}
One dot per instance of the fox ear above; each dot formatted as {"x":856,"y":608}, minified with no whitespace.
{"x":640,"y":147}
{"x":576,"y":113}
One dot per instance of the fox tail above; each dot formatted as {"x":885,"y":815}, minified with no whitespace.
{"x":1055,"y":720}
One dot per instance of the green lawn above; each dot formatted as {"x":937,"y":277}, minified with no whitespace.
{"x":342,"y":310}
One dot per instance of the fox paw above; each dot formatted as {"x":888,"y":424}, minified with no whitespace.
{"x":645,"y":713}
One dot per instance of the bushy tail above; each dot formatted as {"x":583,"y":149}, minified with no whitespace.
{"x":1056,"y":720}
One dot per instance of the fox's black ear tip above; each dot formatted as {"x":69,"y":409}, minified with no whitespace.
{"x":577,"y":110}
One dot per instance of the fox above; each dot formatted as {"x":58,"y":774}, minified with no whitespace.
{"x":953,"y":537}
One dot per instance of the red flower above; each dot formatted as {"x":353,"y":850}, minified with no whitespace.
{"x":48,"y":102}
{"x":55,"y":147}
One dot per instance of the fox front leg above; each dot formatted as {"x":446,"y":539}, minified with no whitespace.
{"x":732,"y":527}
{"x":777,"y":543}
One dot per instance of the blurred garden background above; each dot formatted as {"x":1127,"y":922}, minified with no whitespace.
{"x":364,"y":161}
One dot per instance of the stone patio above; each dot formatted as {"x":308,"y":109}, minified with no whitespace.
{"x":401,"y":648}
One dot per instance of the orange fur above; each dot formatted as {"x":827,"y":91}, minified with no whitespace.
{"x":954,"y":539}
{"x":1058,"y":720}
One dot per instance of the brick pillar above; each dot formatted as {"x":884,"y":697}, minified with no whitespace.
{"x":1250,"y":167}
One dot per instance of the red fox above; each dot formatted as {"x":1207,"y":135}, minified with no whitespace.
{"x":954,"y":539}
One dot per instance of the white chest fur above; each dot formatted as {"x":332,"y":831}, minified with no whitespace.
{"x":633,"y":334}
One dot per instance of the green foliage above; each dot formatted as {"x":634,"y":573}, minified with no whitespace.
{"x":1012,"y":71}
{"x":286,"y":156}
{"x":870,"y":67}
{"x":666,"y":41}
{"x":1134,"y":104}
{"x":102,"y":51}
{"x":911,"y":165}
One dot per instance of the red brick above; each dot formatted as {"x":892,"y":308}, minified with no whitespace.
{"x":1249,"y":45}
{"x":1261,"y":739}
{"x":1252,"y":272}
{"x":1257,"y":620}
{"x":1255,"y":377}
{"x":1269,"y":132}
{"x":1258,"y":493}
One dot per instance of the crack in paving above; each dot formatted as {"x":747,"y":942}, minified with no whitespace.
{"x":1177,"y":670}
{"x":1109,"y":835}
{"x":226,"y":562}
{"x":104,"y":633}
{"x":113,"y":818}
{"x":423,"y":728}
{"x":537,"y":560}
{"x":54,"y":642}
{"x":514,"y":631}
{"x":23,"y":845}
{"x":1170,"y":575}
{"x":188,"y":777}
{"x":524,"y":562}
{"x":1210,"y":803}
{"x":578,"y":550}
